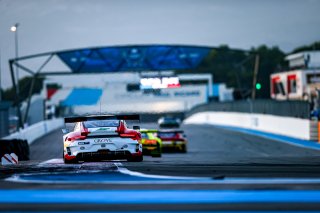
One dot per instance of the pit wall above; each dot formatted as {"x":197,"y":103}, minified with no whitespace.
{"x":286,"y":126}
{"x":37,"y":130}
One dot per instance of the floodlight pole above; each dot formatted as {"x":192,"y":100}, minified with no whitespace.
{"x":255,"y":74}
{"x":0,"y":79}
{"x":14,"y":29}
{"x":20,"y":124}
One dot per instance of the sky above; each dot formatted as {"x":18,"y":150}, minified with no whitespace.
{"x":50,"y":25}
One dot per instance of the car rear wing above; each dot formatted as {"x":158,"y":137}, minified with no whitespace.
{"x":171,"y":131}
{"x":75,"y":119}
{"x":149,"y":130}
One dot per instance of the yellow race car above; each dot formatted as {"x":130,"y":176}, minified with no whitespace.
{"x":151,"y":144}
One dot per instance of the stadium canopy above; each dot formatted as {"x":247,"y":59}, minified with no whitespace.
{"x":124,"y":58}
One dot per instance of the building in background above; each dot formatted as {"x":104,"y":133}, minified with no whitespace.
{"x":301,"y":82}
{"x":136,"y":92}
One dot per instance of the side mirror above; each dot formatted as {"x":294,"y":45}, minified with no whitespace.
{"x":65,"y":131}
{"x":136,"y":127}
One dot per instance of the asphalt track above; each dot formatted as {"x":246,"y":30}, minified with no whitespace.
{"x":230,"y":170}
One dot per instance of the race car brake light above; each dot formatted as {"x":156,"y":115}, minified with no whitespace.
{"x":85,"y":134}
{"x":150,"y":142}
{"x":176,"y":136}
{"x":128,"y":133}
{"x":77,"y":138}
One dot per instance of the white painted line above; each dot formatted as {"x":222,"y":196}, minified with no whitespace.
{"x":126,"y":171}
{"x":52,"y":161}
{"x":152,"y":179}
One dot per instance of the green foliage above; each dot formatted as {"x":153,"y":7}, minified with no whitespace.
{"x":313,"y":46}
{"x":235,"y":67}
{"x":25,"y":84}
{"x":271,"y":60}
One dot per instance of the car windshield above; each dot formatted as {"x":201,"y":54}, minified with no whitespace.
{"x":166,"y":134}
{"x":101,"y":123}
{"x":144,"y":135}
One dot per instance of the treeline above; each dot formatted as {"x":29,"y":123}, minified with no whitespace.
{"x":235,"y":67}
{"x":24,"y":86}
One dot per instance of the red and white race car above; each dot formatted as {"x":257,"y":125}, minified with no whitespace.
{"x":101,"y":137}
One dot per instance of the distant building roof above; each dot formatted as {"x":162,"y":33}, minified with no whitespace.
{"x":305,"y":59}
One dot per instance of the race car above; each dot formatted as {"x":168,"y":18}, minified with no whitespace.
{"x":101,"y":137}
{"x":173,"y":140}
{"x":169,"y":122}
{"x":151,"y":144}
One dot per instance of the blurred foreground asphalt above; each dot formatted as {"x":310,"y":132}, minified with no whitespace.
{"x":215,"y":153}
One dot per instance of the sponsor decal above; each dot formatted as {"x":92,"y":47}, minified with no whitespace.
{"x":84,"y":143}
{"x":103,"y":140}
{"x":103,"y":129}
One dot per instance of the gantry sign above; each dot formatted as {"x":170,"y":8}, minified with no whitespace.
{"x":133,"y":58}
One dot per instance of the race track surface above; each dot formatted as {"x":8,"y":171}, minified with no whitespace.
{"x":219,"y":160}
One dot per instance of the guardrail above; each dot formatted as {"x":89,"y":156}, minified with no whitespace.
{"x":37,"y":130}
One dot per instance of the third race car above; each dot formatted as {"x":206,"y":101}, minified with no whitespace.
{"x":173,"y":140}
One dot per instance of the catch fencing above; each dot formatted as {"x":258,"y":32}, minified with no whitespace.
{"x":297,"y":109}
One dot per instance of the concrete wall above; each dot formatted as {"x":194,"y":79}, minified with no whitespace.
{"x":287,"y":126}
{"x":37,"y":130}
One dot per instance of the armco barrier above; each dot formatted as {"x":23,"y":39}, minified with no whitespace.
{"x":287,"y":126}
{"x":37,"y":130}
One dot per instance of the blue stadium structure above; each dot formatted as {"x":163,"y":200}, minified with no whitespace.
{"x":125,"y":58}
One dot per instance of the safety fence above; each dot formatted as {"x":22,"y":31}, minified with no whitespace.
{"x":297,"y":109}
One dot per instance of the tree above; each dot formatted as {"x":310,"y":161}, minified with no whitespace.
{"x":24,"y":83}
{"x":235,"y":67}
{"x":313,"y":46}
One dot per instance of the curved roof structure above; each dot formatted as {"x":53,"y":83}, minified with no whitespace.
{"x":129,"y":58}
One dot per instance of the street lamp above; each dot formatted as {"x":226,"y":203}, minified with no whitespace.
{"x":14,"y":29}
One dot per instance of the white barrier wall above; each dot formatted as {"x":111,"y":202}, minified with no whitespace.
{"x":37,"y":130}
{"x":287,"y":126}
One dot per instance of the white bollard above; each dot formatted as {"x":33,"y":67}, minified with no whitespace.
{"x":9,"y":159}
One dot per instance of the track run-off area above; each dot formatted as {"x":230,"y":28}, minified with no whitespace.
{"x":222,"y":170}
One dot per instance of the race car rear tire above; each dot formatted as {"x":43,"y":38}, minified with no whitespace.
{"x":135,"y":158}
{"x":156,"y":155}
{"x":73,"y":161}
{"x":184,"y":149}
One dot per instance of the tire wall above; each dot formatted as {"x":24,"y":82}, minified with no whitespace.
{"x":17,"y":146}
